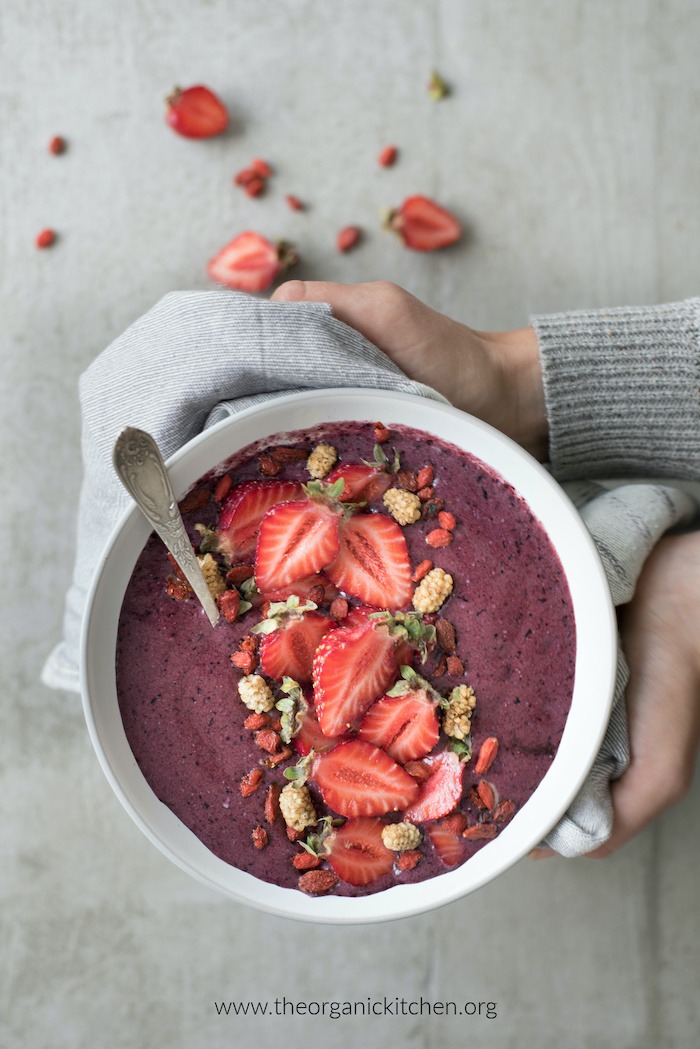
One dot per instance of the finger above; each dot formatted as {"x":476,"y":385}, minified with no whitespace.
{"x":346,"y":300}
{"x":541,"y":854}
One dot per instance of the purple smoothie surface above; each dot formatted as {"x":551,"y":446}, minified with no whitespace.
{"x":515,"y":628}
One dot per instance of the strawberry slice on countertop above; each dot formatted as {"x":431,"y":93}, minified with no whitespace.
{"x":242,"y":511}
{"x":372,"y":563}
{"x":352,"y":667}
{"x":358,"y":779}
{"x":357,"y":853}
{"x":405,"y":726}
{"x":196,"y":112}
{"x":295,"y":540}
{"x":424,"y":225}
{"x":250,"y":262}
{"x":289,"y":650}
{"x":441,"y":791}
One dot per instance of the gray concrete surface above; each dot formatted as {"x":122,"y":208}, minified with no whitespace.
{"x":570,"y":148}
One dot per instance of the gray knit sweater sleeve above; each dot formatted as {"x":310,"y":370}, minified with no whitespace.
{"x":622,"y":389}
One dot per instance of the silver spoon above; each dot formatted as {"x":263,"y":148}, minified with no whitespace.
{"x":141,"y":470}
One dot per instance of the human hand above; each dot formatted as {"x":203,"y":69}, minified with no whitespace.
{"x":493,"y":375}
{"x":661,"y":640}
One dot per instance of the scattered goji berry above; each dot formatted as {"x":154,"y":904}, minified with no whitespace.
{"x":45,"y":239}
{"x":447,"y":520}
{"x":426,"y":476}
{"x":250,"y":782}
{"x":255,"y":721}
{"x":348,"y":238}
{"x":304,"y":861}
{"x":229,"y":602}
{"x":381,"y":433}
{"x":294,"y":203}
{"x":422,"y":570}
{"x":318,"y":882}
{"x":272,"y":802}
{"x":388,"y":156}
{"x":223,"y":488}
{"x":339,"y":609}
{"x":260,"y":837}
{"x":239,"y":573}
{"x":408,"y":860}
{"x":455,"y":666}
{"x":268,"y":740}
{"x":487,"y":755}
{"x":438,"y":537}
{"x":57,"y":145}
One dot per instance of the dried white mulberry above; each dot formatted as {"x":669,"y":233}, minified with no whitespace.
{"x":401,"y":836}
{"x":210,"y":570}
{"x":321,"y":460}
{"x":457,"y":720}
{"x":296,"y":807}
{"x":432,"y":591}
{"x":404,"y":507}
{"x":256,"y":694}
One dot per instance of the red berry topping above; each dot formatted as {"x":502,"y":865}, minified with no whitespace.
{"x":406,"y":726}
{"x":352,"y":667}
{"x":295,"y":539}
{"x":57,"y":145}
{"x":357,"y":779}
{"x":348,"y":238}
{"x":249,"y":262}
{"x":448,"y":843}
{"x":373,"y":563}
{"x":289,"y":651}
{"x":310,"y":737}
{"x":242,"y":511}
{"x":294,"y":203}
{"x":441,"y":793}
{"x":357,"y":853}
{"x":317,"y":588}
{"x":362,"y":483}
{"x":423,"y":225}
{"x":45,"y":239}
{"x":196,"y":112}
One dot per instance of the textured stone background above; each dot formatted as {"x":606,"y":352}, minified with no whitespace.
{"x":570,"y":149}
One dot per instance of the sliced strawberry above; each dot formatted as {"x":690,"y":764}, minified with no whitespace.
{"x":361,"y":482}
{"x":357,"y":853}
{"x":310,"y":737}
{"x":373,"y":562}
{"x":358,"y":614}
{"x":242,"y":511}
{"x":441,"y":792}
{"x":357,"y":779}
{"x":423,"y":225}
{"x":406,"y":727}
{"x":250,"y":262}
{"x":289,"y":651}
{"x":352,"y":667}
{"x":308,"y":589}
{"x":295,"y":540}
{"x":196,"y":112}
{"x":448,"y":845}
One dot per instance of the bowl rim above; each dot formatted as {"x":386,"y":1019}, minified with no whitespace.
{"x":574,"y":757}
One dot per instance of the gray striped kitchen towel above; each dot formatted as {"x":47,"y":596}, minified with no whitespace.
{"x":198,"y":357}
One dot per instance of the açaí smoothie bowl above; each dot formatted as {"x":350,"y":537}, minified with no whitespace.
{"x":392,"y":673}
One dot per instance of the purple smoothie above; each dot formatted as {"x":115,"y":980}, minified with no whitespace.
{"x":515,"y":636}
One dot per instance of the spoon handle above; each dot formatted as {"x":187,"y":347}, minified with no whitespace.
{"x":141,"y":470}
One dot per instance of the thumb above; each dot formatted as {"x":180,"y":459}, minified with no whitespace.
{"x":346,"y":300}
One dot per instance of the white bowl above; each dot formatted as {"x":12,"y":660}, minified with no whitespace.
{"x":595,"y":655}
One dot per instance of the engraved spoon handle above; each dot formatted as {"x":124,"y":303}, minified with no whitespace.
{"x":141,"y":470}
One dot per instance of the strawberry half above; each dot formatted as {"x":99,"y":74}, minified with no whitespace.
{"x":362,"y":483}
{"x":242,"y":511}
{"x":310,"y":737}
{"x":357,"y":853}
{"x":289,"y":650}
{"x":250,"y":262}
{"x":306,"y":589}
{"x":196,"y":112}
{"x":373,"y":562}
{"x":357,"y":779}
{"x":295,"y":540}
{"x":441,"y":792}
{"x":406,"y":727}
{"x":352,"y":667}
{"x":423,"y":225}
{"x":448,"y":844}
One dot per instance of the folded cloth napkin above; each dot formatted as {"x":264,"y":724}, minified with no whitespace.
{"x":198,"y":357}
